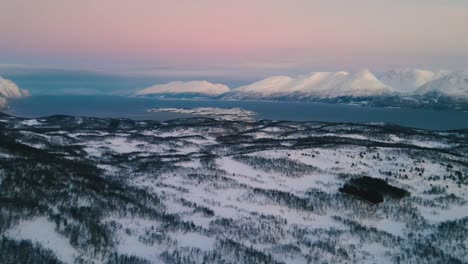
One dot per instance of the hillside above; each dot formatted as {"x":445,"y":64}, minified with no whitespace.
{"x":90,"y":190}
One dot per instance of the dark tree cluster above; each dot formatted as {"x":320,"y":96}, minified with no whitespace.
{"x":372,"y":189}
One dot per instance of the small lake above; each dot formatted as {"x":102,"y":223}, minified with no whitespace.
{"x":136,"y":108}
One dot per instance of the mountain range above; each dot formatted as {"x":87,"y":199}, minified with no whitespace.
{"x":316,"y":84}
{"x":399,"y":87}
{"x":394,"y":88}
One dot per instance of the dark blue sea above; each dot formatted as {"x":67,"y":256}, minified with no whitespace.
{"x":136,"y":108}
{"x":99,"y":95}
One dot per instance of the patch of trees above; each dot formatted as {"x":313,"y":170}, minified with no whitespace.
{"x":253,"y":230}
{"x":372,"y":189}
{"x":286,"y":198}
{"x":244,"y":254}
{"x":283,"y":166}
{"x":14,"y":252}
{"x":125,"y":259}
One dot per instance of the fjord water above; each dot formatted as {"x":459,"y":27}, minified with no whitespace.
{"x":136,"y":108}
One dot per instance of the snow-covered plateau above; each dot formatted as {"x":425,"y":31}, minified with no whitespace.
{"x":200,"y":190}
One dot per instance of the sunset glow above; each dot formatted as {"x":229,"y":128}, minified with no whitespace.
{"x":334,"y":34}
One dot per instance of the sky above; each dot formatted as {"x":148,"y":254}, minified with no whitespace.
{"x":234,"y":37}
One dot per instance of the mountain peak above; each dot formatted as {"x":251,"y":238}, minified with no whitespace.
{"x":364,"y":73}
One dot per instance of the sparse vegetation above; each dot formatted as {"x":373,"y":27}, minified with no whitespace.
{"x":206,"y":191}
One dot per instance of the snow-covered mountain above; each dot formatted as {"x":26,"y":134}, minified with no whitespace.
{"x":451,"y":85}
{"x":275,"y":85}
{"x":408,"y":80}
{"x":396,"y":88}
{"x":317,"y":84}
{"x":9,"y":89}
{"x":203,"y":88}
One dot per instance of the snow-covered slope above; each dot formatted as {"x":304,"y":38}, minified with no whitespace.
{"x":363,"y":83}
{"x":270,"y":86}
{"x":192,"y":87}
{"x":317,"y":84}
{"x":408,"y":80}
{"x":9,"y":89}
{"x":199,"y":190}
{"x":452,"y":85}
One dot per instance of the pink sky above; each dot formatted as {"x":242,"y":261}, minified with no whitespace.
{"x":144,"y":33}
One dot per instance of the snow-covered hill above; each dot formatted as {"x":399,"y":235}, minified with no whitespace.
{"x":91,"y":190}
{"x":452,"y":85}
{"x":408,"y":80}
{"x":9,"y":89}
{"x":317,"y":84}
{"x":202,"y":88}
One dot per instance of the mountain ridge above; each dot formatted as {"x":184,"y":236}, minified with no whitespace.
{"x":394,"y":88}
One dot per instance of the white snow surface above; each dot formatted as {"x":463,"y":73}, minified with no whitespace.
{"x":42,"y":231}
{"x":262,"y":203}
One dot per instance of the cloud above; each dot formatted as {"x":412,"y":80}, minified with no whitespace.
{"x":192,"y":87}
